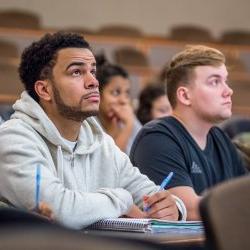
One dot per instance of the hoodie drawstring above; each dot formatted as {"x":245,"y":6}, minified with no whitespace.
{"x":60,"y":163}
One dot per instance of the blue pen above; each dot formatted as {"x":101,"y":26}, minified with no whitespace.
{"x":166,"y":181}
{"x":38,"y":181}
{"x":162,"y":186}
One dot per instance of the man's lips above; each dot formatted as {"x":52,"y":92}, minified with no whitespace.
{"x":227,"y":103}
{"x":93,"y":96}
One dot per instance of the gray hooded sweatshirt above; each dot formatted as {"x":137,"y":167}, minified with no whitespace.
{"x":94,"y":181}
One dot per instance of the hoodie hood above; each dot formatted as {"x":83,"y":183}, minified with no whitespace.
{"x":28,"y":110}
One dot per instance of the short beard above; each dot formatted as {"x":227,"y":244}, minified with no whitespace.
{"x":73,"y":113}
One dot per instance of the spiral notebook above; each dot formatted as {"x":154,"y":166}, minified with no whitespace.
{"x":147,"y":225}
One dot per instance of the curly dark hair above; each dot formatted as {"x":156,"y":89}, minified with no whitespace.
{"x":147,"y":96}
{"x":106,"y":70}
{"x":38,"y":60}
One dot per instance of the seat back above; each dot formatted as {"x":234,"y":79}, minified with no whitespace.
{"x":225,"y":210}
{"x":80,"y":30}
{"x":236,"y":37}
{"x":120,"y":30}
{"x":15,"y":18}
{"x":131,"y":57}
{"x":8,"y":49}
{"x":191,"y":33}
{"x":235,"y":64}
{"x":236,"y":126}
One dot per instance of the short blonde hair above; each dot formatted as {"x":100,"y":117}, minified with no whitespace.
{"x":182,"y":64}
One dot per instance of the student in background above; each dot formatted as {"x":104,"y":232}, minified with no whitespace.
{"x":116,"y":114}
{"x":6,"y":111}
{"x":187,"y":142}
{"x":84,"y":177}
{"x":153,"y":103}
{"x":238,"y":130}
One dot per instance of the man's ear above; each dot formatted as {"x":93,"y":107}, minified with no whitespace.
{"x":183,"y":95}
{"x":43,"y":90}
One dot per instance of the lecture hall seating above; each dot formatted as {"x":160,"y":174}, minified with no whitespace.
{"x":157,"y":50}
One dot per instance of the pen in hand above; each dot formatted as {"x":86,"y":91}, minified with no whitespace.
{"x":38,"y":181}
{"x":162,"y":187}
{"x":166,"y":181}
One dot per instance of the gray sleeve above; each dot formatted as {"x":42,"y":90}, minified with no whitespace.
{"x":131,"y":179}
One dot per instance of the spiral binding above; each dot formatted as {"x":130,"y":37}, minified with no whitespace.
{"x":124,"y":224}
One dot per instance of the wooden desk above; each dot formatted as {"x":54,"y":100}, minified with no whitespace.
{"x":187,"y":240}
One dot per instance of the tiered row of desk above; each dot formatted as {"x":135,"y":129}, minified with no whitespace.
{"x":157,"y":50}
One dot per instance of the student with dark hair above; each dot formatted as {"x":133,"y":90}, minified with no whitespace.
{"x":116,"y":114}
{"x":153,"y":103}
{"x":84,"y":177}
{"x":187,"y":142}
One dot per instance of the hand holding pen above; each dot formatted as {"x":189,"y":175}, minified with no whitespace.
{"x":162,"y":187}
{"x":161,"y":205}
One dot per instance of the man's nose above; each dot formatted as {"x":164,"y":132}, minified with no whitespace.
{"x":91,"y":81}
{"x":228,"y":90}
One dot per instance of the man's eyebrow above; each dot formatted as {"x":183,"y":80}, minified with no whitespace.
{"x":79,"y":64}
{"x":75,"y":64}
{"x":215,"y":75}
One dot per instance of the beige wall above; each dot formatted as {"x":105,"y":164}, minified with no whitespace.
{"x":152,"y":16}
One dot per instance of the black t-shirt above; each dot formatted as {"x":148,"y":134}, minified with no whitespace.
{"x":164,"y":145}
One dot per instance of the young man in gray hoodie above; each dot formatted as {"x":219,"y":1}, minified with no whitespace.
{"x":84,"y":175}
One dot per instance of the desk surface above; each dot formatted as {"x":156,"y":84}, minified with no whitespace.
{"x":187,"y":239}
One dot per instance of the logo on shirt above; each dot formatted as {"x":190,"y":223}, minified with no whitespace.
{"x":195,"y":169}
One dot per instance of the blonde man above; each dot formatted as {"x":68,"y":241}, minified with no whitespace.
{"x":188,"y":143}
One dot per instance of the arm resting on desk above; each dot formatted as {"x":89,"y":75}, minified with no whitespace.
{"x":190,"y":199}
